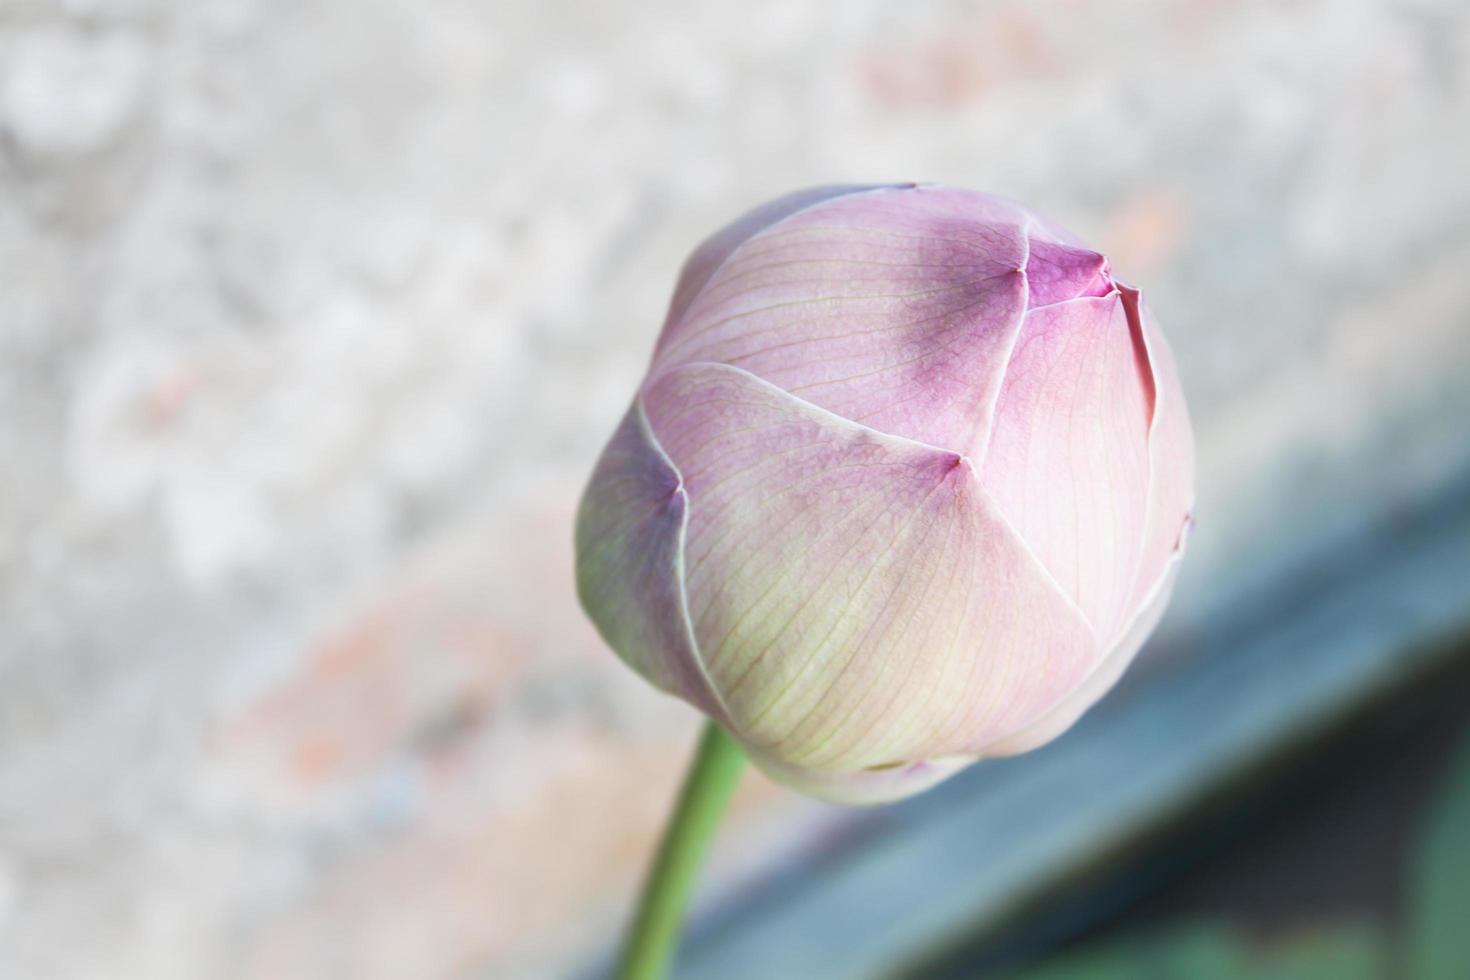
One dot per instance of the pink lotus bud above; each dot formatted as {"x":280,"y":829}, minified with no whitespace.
{"x":906,"y":486}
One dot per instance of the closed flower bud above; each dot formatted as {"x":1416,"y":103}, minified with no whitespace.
{"x":906,"y":486}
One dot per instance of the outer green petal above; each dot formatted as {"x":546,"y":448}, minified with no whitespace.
{"x":858,"y":601}
{"x":865,"y":786}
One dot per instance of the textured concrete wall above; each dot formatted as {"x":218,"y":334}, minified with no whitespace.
{"x":313,"y":316}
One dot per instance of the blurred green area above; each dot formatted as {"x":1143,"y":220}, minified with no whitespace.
{"x":1438,"y":933}
{"x":1431,"y":942}
{"x":1217,"y":952}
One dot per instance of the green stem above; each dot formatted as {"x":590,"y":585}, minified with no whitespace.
{"x":710,"y":782}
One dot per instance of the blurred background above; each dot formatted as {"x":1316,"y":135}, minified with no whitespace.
{"x":314,"y":316}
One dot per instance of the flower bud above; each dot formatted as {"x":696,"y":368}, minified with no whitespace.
{"x":906,"y":485}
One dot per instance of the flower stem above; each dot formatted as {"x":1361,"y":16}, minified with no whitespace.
{"x":711,"y":780}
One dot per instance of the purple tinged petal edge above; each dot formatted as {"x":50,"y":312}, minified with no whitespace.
{"x":654,"y":499}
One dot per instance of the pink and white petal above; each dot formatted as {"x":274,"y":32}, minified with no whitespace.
{"x":713,"y":251}
{"x":1171,"y":456}
{"x":1067,"y":461}
{"x":630,"y":555}
{"x":1101,"y":680}
{"x":857,"y":600}
{"x":894,"y":308}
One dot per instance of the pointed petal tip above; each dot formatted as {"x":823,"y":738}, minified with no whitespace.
{"x":1058,"y":272}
